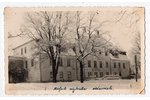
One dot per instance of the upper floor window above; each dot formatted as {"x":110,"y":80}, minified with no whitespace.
{"x":26,"y":64}
{"x":95,"y":64}
{"x":25,"y":50}
{"x":106,"y":53}
{"x":100,"y":52}
{"x":119,"y":65}
{"x":114,"y":64}
{"x":68,"y":62}
{"x":100,"y":64}
{"x":106,"y":64}
{"x":32,"y":62}
{"x":124,"y":65}
{"x":60,"y":62}
{"x":89,"y":63}
{"x":21,"y":51}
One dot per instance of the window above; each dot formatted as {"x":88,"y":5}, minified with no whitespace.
{"x":101,"y":74}
{"x":26,"y":64}
{"x":124,"y":65}
{"x":60,"y":62}
{"x":100,"y":52}
{"x":119,"y":65}
{"x":21,"y":51}
{"x":60,"y":74}
{"x":69,"y":74}
{"x":25,"y":51}
{"x":100,"y":64}
{"x":51,"y":75}
{"x":96,"y":74}
{"x":114,"y":64}
{"x":106,"y":53}
{"x":95,"y":64}
{"x":106,"y":64}
{"x":89,"y":63}
{"x":32,"y":62}
{"x":68,"y":62}
{"x":107,"y":73}
{"x":89,"y":74}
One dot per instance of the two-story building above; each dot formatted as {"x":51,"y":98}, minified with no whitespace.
{"x":40,"y":70}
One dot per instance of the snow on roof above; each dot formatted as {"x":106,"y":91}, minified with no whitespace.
{"x":119,"y":57}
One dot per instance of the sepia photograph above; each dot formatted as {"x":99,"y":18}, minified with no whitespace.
{"x":74,"y":50}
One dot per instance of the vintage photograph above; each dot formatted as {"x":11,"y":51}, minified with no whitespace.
{"x":74,"y":50}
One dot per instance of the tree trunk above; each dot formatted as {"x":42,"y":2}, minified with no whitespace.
{"x":81,"y":72}
{"x":136,"y":68}
{"x":54,"y":71}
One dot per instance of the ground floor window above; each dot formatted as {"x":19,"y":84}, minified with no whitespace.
{"x":107,"y":73}
{"x":124,"y":65}
{"x":115,"y":73}
{"x":60,"y":74}
{"x":96,"y":74}
{"x":101,"y":74}
{"x":89,"y":74}
{"x":69,"y":75}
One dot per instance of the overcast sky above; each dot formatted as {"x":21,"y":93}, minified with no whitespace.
{"x":122,"y":23}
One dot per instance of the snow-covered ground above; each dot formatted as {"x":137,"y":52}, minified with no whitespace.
{"x":122,"y":86}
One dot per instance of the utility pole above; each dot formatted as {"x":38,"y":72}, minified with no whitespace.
{"x":136,"y":68}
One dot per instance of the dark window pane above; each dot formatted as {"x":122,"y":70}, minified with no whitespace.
{"x":25,"y":50}
{"x":95,"y":64}
{"x":60,"y":62}
{"x":124,"y":65}
{"x":106,"y":53}
{"x":32,"y":62}
{"x":107,"y":73}
{"x":101,"y":74}
{"x":106,"y":64}
{"x":89,"y":63}
{"x":21,"y":51}
{"x":100,"y":64}
{"x":61,"y":74}
{"x":119,"y":65}
{"x":68,"y":62}
{"x":26,"y":64}
{"x":96,"y":74}
{"x":69,"y":74}
{"x":114,"y":64}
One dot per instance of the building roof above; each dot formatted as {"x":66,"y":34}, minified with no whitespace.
{"x":119,"y":57}
{"x":23,"y":44}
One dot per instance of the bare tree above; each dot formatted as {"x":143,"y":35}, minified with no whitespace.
{"x":88,"y":38}
{"x":48,"y":29}
{"x":136,"y":44}
{"x":136,"y":49}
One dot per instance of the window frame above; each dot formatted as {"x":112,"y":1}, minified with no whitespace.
{"x":95,"y":64}
{"x":68,"y":62}
{"x":89,"y":63}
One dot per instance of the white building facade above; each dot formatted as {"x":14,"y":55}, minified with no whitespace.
{"x":40,"y":70}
